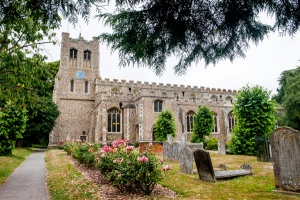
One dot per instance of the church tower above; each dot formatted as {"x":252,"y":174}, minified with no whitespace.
{"x":74,"y":90}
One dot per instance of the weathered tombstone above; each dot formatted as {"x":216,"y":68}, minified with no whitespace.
{"x":183,"y":140}
{"x":195,"y":146}
{"x":207,"y":173}
{"x":167,"y":150}
{"x":169,"y":138}
{"x":221,"y":147}
{"x":204,"y":165}
{"x":285,"y":148}
{"x":186,"y":160}
{"x":176,"y":151}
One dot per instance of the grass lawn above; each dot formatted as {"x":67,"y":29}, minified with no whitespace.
{"x":8,"y":164}
{"x":64,"y":182}
{"x":257,"y":186}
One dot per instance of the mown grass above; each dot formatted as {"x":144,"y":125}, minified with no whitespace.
{"x":8,"y":164}
{"x":257,"y":186}
{"x":64,"y":181}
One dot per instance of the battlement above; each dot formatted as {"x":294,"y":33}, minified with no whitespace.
{"x":161,"y":86}
{"x":79,"y":39}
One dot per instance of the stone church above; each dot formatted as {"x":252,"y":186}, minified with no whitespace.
{"x":101,"y":110}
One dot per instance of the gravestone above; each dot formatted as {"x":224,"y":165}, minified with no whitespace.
{"x":221,"y":146}
{"x":207,"y":173}
{"x":176,"y":151}
{"x":204,"y":165}
{"x":186,"y":160}
{"x":183,"y":140}
{"x":169,"y":138}
{"x":285,"y":148}
{"x":167,"y":150}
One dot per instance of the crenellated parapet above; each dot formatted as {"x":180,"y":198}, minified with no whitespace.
{"x":109,"y":88}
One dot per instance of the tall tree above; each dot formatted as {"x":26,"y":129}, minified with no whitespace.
{"x":289,"y":97}
{"x":254,"y":112}
{"x":203,"y":124}
{"x":148,"y":31}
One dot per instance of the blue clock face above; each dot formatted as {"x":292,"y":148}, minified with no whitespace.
{"x":80,"y":74}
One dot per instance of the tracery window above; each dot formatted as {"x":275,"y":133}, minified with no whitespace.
{"x":190,"y":121}
{"x":86,"y":59}
{"x":86,"y":55}
{"x":114,"y":120}
{"x":157,"y":105}
{"x":231,"y":121}
{"x":73,"y":53}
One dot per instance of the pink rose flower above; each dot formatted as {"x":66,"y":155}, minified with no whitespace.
{"x":129,"y":149}
{"x":106,"y":148}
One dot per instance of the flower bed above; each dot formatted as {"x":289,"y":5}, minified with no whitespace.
{"x":127,"y":169}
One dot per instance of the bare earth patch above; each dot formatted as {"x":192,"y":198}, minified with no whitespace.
{"x":108,"y":191}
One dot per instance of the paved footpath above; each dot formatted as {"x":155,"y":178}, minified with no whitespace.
{"x":28,"y":182}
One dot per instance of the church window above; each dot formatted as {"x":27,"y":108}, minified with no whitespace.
{"x":86,"y":87}
{"x":231,"y":121}
{"x":189,"y":121}
{"x":72,"y":86}
{"x":73,"y":53}
{"x":215,"y":128}
{"x":158,"y":106}
{"x":114,"y":121}
{"x":87,"y":55}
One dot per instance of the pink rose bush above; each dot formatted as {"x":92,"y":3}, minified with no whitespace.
{"x":121,"y":164}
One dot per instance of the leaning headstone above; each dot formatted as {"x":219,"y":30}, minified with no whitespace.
{"x":167,"y":151}
{"x":204,"y":165}
{"x":285,"y":148}
{"x":186,"y":160}
{"x":176,"y":151}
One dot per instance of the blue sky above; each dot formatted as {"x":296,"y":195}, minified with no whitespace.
{"x":262,"y":66}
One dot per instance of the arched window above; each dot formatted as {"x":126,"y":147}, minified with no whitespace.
{"x":189,"y":121}
{"x":157,"y":106}
{"x":229,"y":100}
{"x":215,"y":128}
{"x":86,"y":59}
{"x":114,"y":120}
{"x":86,"y":87}
{"x":73,"y":53}
{"x":72,"y":86}
{"x":214,"y":98}
{"x":231,"y":121}
{"x":86,"y":55}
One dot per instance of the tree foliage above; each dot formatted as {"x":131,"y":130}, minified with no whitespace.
{"x":255,"y":116}
{"x":203,"y":124}
{"x":12,"y":126}
{"x":289,"y":96}
{"x":165,"y":124}
{"x":148,"y":31}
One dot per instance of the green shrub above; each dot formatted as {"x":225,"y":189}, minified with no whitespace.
{"x":203,"y":124}
{"x":12,"y":125}
{"x":211,"y":144}
{"x":165,"y":124}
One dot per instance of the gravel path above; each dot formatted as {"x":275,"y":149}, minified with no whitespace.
{"x":28,"y":182}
